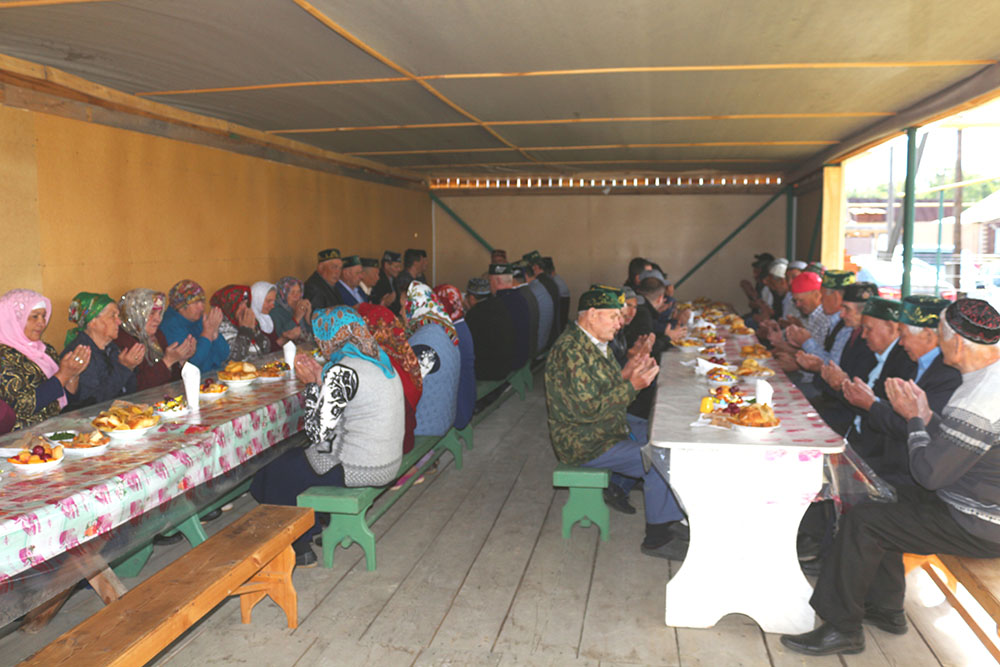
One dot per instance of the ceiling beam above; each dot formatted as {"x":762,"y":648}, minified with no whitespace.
{"x":688,"y":144}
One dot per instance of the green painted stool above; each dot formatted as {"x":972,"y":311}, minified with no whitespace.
{"x":586,"y":498}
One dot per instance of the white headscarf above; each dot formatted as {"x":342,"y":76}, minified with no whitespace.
{"x":258,"y":293}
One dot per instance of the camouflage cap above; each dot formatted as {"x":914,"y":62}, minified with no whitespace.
{"x":602,"y":296}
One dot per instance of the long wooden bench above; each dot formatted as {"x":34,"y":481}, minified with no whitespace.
{"x":252,"y":558}
{"x":981,"y":577}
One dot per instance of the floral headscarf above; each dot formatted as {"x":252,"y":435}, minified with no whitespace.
{"x":136,"y":306}
{"x":185,"y":292}
{"x":229,"y":298}
{"x":451,"y":299}
{"x":258,"y":294}
{"x":391,"y":337}
{"x":15,"y":307}
{"x":422,"y":307}
{"x":284,"y":286}
{"x":84,"y":307}
{"x":340,"y":332}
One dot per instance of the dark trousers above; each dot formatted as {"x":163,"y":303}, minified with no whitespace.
{"x":865,"y":563}
{"x":284,"y":478}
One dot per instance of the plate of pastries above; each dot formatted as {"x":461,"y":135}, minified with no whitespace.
{"x":126,"y":421}
{"x":272,"y":371}
{"x":753,"y":368}
{"x":755,"y":351}
{"x":238,"y":374}
{"x":756,"y":419}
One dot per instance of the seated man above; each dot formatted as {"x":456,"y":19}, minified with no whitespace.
{"x":384,"y":292}
{"x":955,"y":459}
{"x":653,"y":292}
{"x":502,"y":288}
{"x":348,"y":287}
{"x":587,"y":394}
{"x":536,"y":266}
{"x":320,"y":286}
{"x":369,"y":276}
{"x":564,"y":299}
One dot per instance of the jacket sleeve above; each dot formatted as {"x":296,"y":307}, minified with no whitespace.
{"x":577,"y":393}
{"x":944,"y":450}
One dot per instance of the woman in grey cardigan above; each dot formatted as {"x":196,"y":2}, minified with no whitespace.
{"x":354,"y":419}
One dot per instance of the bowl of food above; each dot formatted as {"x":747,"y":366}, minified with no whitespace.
{"x":211,"y":389}
{"x":87,"y":444}
{"x":37,"y":455}
{"x":756,"y":420}
{"x":238,"y":374}
{"x":60,"y":437}
{"x":171,"y":406}
{"x":689,"y":345}
{"x":755,"y":351}
{"x":126,"y":422}
{"x":718,"y":377}
{"x":272,"y":372}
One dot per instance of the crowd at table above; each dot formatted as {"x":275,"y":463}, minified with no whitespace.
{"x":911,"y":385}
{"x":399,"y":359}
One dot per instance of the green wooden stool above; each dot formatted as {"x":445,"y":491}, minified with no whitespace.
{"x":586,"y":498}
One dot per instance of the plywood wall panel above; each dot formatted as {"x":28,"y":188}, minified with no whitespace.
{"x":22,"y":264}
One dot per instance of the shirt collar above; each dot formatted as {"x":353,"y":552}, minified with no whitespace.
{"x":601,"y":345}
{"x":924,"y":362}
{"x":880,"y":358}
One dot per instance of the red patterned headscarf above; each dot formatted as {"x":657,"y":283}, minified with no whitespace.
{"x":228,"y":299}
{"x":391,"y":337}
{"x":423,"y":307}
{"x":451,"y":299}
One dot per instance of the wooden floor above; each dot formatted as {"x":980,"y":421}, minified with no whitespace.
{"x":472,"y":570}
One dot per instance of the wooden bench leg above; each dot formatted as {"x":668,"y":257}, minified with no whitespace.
{"x":345,"y":529}
{"x":274,"y":580}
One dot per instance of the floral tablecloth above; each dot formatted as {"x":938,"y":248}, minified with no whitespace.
{"x":46,"y":514}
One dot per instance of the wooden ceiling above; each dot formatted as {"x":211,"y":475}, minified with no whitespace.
{"x":448,"y":88}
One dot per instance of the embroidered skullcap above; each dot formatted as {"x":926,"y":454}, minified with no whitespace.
{"x":815,"y":267}
{"x":882,"y":308}
{"x":922,"y":310}
{"x":478,"y":287}
{"x":501,"y":269}
{"x":837,"y":279}
{"x":975,"y":320}
{"x":329,"y":253}
{"x":391,"y":256}
{"x":602,"y":296}
{"x":498,"y":256}
{"x":860,"y":292}
{"x":352,"y":260}
{"x":369,"y":262}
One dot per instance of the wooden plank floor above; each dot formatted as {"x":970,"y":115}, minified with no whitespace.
{"x":472,"y":570}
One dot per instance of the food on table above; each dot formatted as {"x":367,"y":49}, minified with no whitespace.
{"x":741,"y":330}
{"x":751,"y":366}
{"x":712,"y":315}
{"x":213,"y":386}
{"x":238,"y":370}
{"x":730,"y":320}
{"x":715,"y":360}
{"x":758,"y":414}
{"x":275,"y":369}
{"x":88,"y":440}
{"x":61,"y":436}
{"x":712,"y":338}
{"x":714,"y":351}
{"x":702,"y":302}
{"x":721,"y":375}
{"x":125,"y":416}
{"x":37,"y":450}
{"x":755,"y":351}
{"x":729,"y":394}
{"x":689,"y":342}
{"x":171,"y":404}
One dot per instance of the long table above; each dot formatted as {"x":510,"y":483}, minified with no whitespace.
{"x":744,"y":497}
{"x":70,"y":523}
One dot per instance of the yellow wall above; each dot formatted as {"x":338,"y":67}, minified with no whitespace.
{"x":592,"y":237}
{"x":100,"y":209}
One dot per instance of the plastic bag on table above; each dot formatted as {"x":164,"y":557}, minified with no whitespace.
{"x":849,"y":481}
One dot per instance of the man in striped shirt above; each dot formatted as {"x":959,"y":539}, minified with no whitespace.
{"x":955,"y":457}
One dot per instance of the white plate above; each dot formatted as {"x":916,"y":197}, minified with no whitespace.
{"x":754,"y":431}
{"x":48,"y":436}
{"x":130,"y":435}
{"x":727,"y":383}
{"x":264,"y":378}
{"x":32,"y":468}
{"x":84,"y":452}
{"x":238,"y":384}
{"x":212,"y":396}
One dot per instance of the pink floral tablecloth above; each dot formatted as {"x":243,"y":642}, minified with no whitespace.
{"x":45,"y":514}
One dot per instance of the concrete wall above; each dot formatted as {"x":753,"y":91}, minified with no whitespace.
{"x":593,"y":237}
{"x":87,"y":207}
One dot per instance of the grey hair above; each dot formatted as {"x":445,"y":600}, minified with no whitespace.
{"x":948,"y":333}
{"x":915,"y":330}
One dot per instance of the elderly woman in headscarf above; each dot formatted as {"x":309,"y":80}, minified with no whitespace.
{"x":111,"y":371}
{"x":239,"y":324}
{"x":263,"y":296}
{"x":187,"y":316}
{"x":33,"y":379}
{"x":142,"y":313}
{"x":390,"y":334}
{"x":354,"y":419}
{"x":435,"y":342}
{"x":291,"y":312}
{"x":451,"y":299}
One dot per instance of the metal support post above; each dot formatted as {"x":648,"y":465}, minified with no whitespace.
{"x":937,"y":258}
{"x":790,"y":215}
{"x":908,"y":207}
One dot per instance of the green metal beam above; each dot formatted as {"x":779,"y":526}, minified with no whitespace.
{"x":461,"y":223}
{"x":908,"y":205}
{"x":731,"y":236}
{"x":790,"y":211}
{"x":816,"y":227}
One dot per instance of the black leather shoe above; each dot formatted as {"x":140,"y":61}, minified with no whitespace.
{"x":211,"y":516}
{"x":616,"y":499}
{"x":306,"y":558}
{"x":889,"y":620}
{"x":826,"y":640}
{"x":676,"y":549}
{"x":163,"y":540}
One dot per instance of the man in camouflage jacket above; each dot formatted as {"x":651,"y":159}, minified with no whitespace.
{"x":587,"y":394}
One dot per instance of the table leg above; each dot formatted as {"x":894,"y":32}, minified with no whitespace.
{"x":744,"y":508}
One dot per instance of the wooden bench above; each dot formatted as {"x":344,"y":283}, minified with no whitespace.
{"x":981,"y":577}
{"x":350,"y":521}
{"x":252,"y":558}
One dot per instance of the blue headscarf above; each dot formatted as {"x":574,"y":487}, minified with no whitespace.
{"x":341,"y":332}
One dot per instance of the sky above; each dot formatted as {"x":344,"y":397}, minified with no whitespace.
{"x":980,"y":151}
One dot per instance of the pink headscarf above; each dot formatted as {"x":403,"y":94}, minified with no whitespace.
{"x":15,"y":306}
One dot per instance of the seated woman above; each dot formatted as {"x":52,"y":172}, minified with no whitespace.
{"x":33,"y":380}
{"x":291,"y":312}
{"x":142,"y":312}
{"x":262,"y":299}
{"x":111,"y":371}
{"x":187,"y":316}
{"x":391,"y":337}
{"x":239,"y":325}
{"x":435,"y":342}
{"x":451,"y":299}
{"x":354,"y":420}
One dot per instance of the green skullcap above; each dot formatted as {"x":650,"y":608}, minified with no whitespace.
{"x":329,"y":253}
{"x":531,"y":256}
{"x":922,"y":310}
{"x":837,"y":279}
{"x":500,"y":269}
{"x":883,"y":309}
{"x":369,"y":262}
{"x":352,"y":260}
{"x":602,"y":296}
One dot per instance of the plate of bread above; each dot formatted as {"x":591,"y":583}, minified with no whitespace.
{"x":755,"y":420}
{"x":126,"y":421}
{"x":238,"y":374}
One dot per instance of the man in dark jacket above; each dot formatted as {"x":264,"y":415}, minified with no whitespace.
{"x":320,"y":286}
{"x":492,"y":332}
